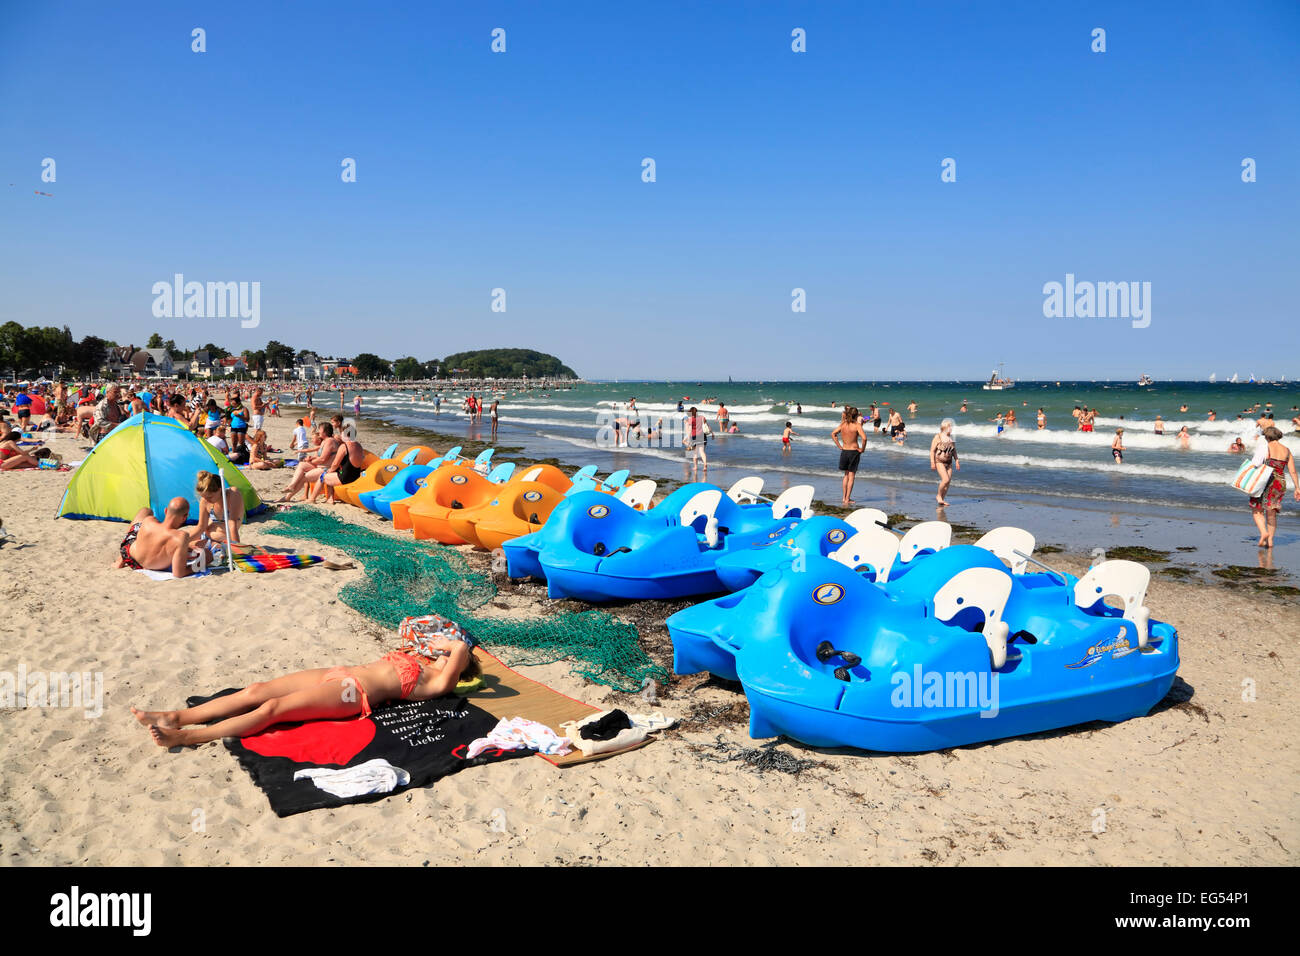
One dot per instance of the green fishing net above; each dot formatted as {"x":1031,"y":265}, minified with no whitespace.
{"x":406,"y":578}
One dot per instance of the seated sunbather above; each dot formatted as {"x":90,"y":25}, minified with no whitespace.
{"x":213,"y":514}
{"x":258,"y":460}
{"x":311,"y":468}
{"x":320,"y":694}
{"x":158,"y":545}
{"x":345,"y":468}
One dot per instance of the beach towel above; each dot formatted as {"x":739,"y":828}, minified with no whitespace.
{"x":168,"y":576}
{"x":275,"y":562}
{"x":424,"y":740}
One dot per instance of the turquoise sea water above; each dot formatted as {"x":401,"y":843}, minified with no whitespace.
{"x":1057,"y":467}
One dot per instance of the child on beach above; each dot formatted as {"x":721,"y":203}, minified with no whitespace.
{"x":1117,"y":446}
{"x":319,"y":694}
{"x":786,"y":436}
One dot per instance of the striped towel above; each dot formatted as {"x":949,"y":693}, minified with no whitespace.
{"x":274,"y":562}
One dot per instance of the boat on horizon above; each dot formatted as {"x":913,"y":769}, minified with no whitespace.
{"x":998,"y":382}
{"x":1145,"y":380}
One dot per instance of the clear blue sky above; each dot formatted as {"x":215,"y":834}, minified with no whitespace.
{"x":775,"y":170}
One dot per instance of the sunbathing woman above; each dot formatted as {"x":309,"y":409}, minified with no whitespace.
{"x":321,"y":694}
{"x":12,"y":457}
{"x":212,"y":515}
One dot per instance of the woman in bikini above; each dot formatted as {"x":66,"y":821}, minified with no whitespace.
{"x":1268,"y":506}
{"x":416,"y":672}
{"x":212,"y":515}
{"x":943,"y":458}
{"x":12,"y":457}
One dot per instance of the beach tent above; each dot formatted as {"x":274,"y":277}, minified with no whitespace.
{"x":145,"y":462}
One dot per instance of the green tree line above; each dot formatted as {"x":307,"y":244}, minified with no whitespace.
{"x":29,"y":349}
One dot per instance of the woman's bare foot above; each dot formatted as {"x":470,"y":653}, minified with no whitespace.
{"x":167,"y":736}
{"x":941,"y":501}
{"x":160,"y":718}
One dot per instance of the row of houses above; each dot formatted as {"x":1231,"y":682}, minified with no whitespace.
{"x":127,"y":361}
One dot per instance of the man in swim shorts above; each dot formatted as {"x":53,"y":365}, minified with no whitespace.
{"x":158,"y":545}
{"x":850,"y":440}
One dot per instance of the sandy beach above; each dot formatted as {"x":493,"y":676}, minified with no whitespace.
{"x":1208,"y":778}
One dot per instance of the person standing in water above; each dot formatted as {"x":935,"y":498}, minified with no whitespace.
{"x":850,"y":439}
{"x":943,"y":458}
{"x":492,"y":412}
{"x":1268,"y":506}
{"x":1117,"y":446}
{"x":695,"y":438}
{"x":785,"y":438}
{"x":1042,"y":419}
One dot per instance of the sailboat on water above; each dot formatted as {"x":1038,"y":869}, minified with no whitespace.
{"x":1213,"y":378}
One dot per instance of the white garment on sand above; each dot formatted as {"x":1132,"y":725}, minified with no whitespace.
{"x":651,"y":722}
{"x":373,"y":776}
{"x":517,"y":733}
{"x":642,"y":726}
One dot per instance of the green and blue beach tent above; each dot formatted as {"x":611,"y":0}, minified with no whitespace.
{"x":145,"y":462}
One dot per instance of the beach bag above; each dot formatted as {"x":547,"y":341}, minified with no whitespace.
{"x":1253,"y":479}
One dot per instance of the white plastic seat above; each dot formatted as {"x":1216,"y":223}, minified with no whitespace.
{"x":926,"y":536}
{"x":1006,"y":542}
{"x":638,"y":494}
{"x":867,"y":518}
{"x":1126,"y":580}
{"x":799,"y":498}
{"x":747,"y":491}
{"x":986,"y":589}
{"x":875,"y":547}
{"x":703,"y":504}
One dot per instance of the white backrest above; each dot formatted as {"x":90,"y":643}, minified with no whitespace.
{"x":638,"y":494}
{"x":532,"y":473}
{"x":928,"y":535}
{"x":1005,"y":542}
{"x":1126,"y":580}
{"x":702,"y":503}
{"x":746,"y":491}
{"x":799,"y":498}
{"x":986,"y":589}
{"x":867,"y":518}
{"x":874,"y":546}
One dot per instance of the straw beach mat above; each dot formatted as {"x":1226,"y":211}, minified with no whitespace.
{"x":506,"y":693}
